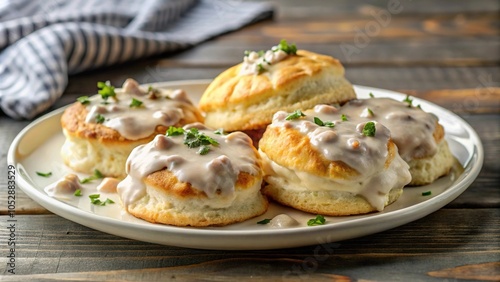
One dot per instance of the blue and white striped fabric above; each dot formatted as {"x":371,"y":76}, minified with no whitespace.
{"x":44,"y":41}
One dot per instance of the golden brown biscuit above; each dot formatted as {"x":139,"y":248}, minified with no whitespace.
{"x":418,"y":135}
{"x":168,"y":182}
{"x":239,"y":101}
{"x":321,"y":163}
{"x":101,"y":136}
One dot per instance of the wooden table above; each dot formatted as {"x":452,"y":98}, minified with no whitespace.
{"x":447,"y":53}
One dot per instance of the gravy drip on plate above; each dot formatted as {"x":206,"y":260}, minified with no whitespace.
{"x":215,"y":173}
{"x":63,"y":187}
{"x":345,"y":142}
{"x":411,"y":128}
{"x":135,"y":123}
{"x":283,"y":221}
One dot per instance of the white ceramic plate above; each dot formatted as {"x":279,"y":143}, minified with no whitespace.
{"x":36,"y":148}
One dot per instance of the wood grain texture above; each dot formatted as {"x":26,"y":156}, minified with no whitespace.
{"x":445,"y":239}
{"x":432,"y":40}
{"x":489,"y":271}
{"x":298,"y":9}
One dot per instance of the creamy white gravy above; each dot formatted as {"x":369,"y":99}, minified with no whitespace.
{"x":160,"y":107}
{"x":64,"y":187}
{"x":283,"y":221}
{"x":108,"y":185}
{"x":345,"y":142}
{"x":254,"y":63}
{"x":214,"y":173}
{"x":411,"y":128}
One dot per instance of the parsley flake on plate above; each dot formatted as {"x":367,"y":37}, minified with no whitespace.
{"x":97,"y":175}
{"x":264,"y":221}
{"x":318,"y":220}
{"x":44,"y":174}
{"x":94,"y":199}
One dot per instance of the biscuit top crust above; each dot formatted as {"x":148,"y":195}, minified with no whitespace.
{"x":233,"y":87}
{"x":324,"y":150}
{"x":340,"y":140}
{"x":133,"y":113}
{"x":415,"y":132}
{"x":211,"y":168}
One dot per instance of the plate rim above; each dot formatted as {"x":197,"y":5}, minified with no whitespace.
{"x":98,"y":222}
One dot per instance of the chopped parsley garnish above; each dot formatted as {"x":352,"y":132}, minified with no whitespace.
{"x":319,"y":122}
{"x":193,"y":138}
{"x":319,"y":220}
{"x":264,"y":221}
{"x":369,"y":129}
{"x":94,"y":199}
{"x":44,"y":174}
{"x":295,"y":115}
{"x":285,"y":47}
{"x":204,"y":150}
{"x":154,"y":93}
{"x":408,"y":100}
{"x":78,"y":192}
{"x":175,"y":131}
{"x":260,"y":68}
{"x":106,"y":90}
{"x":418,"y":106}
{"x":426,"y":193}
{"x":343,"y":117}
{"x":370,"y":111}
{"x":247,"y":52}
{"x":100,"y":118}
{"x":220,"y":131}
{"x":97,"y":175}
{"x":371,"y":95}
{"x":135,"y":103}
{"x":84,"y":100}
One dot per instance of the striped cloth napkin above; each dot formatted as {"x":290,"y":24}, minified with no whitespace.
{"x":44,"y":41}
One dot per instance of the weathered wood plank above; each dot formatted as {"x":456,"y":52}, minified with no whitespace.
{"x":375,"y":26}
{"x":452,"y":40}
{"x":441,"y":51}
{"x":449,"y":238}
{"x":298,"y":9}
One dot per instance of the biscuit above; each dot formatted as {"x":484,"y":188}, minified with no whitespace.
{"x":168,"y":182}
{"x":247,"y":102}
{"x":418,"y":135}
{"x":100,"y":134}
{"x":321,"y":163}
